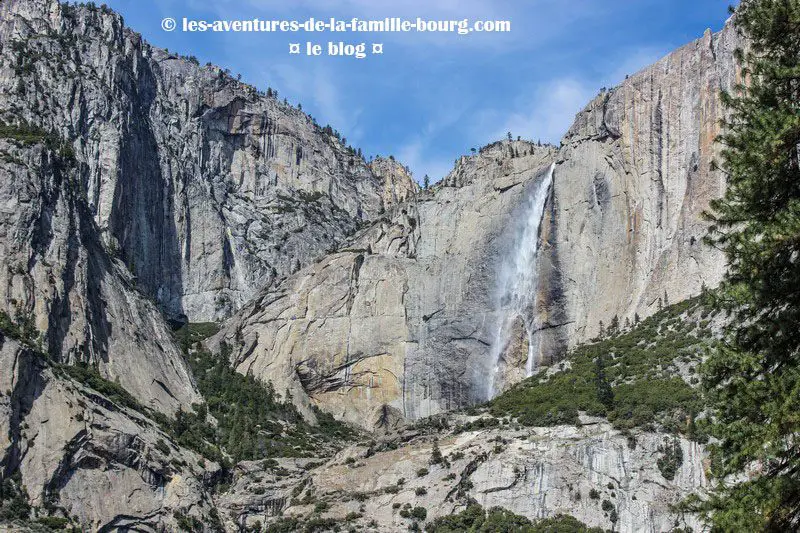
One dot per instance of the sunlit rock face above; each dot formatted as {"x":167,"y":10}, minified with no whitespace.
{"x":402,"y":317}
{"x":633,"y":178}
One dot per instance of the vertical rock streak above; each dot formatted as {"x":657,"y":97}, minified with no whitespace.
{"x":517,"y":285}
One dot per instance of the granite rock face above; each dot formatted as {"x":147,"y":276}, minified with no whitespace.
{"x":633,"y":178}
{"x":399,"y":320}
{"x":80,"y":303}
{"x":83,"y":456}
{"x":208,"y":189}
{"x":398,"y":185}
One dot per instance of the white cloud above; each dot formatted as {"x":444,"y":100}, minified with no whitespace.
{"x":317,"y":88}
{"x":545,"y":112}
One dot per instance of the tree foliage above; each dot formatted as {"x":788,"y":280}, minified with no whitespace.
{"x":474,"y":519}
{"x":753,"y":379}
{"x":632,"y":378}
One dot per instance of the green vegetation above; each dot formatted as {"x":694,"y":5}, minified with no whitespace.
{"x":252,"y":422}
{"x":26,"y":134}
{"x":297,"y":525}
{"x":13,"y":499}
{"x":754,"y":378}
{"x":190,"y":334}
{"x":630,"y":377}
{"x":56,"y":523}
{"x":187,"y":523}
{"x":476,"y":520}
{"x":89,"y":376}
{"x":436,"y":454}
{"x":22,"y":329}
{"x":671,"y":458}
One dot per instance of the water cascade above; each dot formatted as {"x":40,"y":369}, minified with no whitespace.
{"x":518,"y":284}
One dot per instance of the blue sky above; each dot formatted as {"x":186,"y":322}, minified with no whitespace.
{"x":429,"y":98}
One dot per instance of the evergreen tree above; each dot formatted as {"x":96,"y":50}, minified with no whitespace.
{"x":436,"y":454}
{"x":426,"y":182}
{"x":754,"y":379}
{"x":613,"y":328}
{"x":605,"y":394}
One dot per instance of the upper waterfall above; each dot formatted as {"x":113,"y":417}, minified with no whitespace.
{"x":518,"y":283}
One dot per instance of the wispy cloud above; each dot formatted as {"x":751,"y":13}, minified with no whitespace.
{"x":318,"y":87}
{"x":543,"y":113}
{"x":413,"y":154}
{"x":630,"y":62}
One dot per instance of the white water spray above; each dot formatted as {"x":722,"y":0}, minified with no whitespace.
{"x":518,"y":283}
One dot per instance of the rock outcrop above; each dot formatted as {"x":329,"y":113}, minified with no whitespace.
{"x":208,"y":189}
{"x":398,"y":185}
{"x":85,"y":457}
{"x":586,"y":472}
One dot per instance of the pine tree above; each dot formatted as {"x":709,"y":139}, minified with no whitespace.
{"x":613,"y":328}
{"x":426,"y":182}
{"x":605,"y":394}
{"x":754,"y":379}
{"x":436,"y":454}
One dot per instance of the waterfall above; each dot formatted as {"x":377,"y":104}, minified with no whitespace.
{"x":518,"y":283}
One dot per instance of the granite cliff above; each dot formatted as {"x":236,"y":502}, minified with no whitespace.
{"x":206,"y":188}
{"x":404,"y":317}
{"x":633,"y":177}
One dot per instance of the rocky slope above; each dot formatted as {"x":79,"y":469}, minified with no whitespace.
{"x":207,"y":189}
{"x":81,"y":455}
{"x":533,"y":472}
